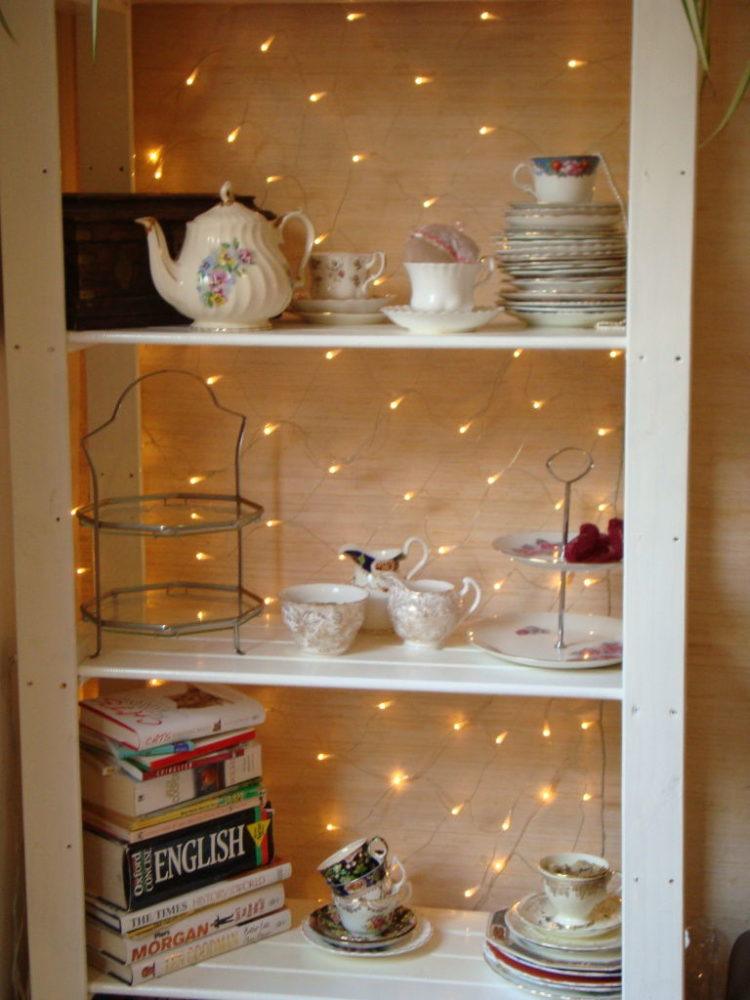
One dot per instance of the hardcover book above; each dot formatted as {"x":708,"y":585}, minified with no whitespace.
{"x":159,"y":938}
{"x":104,"y":784}
{"x":194,"y":952}
{"x":151,"y":717}
{"x":168,"y":754}
{"x":133,"y":876}
{"x":217,"y":892}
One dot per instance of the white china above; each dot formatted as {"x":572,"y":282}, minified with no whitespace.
{"x":432,"y":323}
{"x":369,"y":305}
{"x":323,"y":618}
{"x":559,"y":179}
{"x":338,"y":274}
{"x":547,"y":957}
{"x":590,"y":640}
{"x":412,"y":942}
{"x":343,"y":319}
{"x":365,"y":915}
{"x":231,"y":273}
{"x":575,"y":885}
{"x":569,"y":318}
{"x":536,"y":914}
{"x":539,"y":549}
{"x":425,"y":612}
{"x":373,"y":568}
{"x":539,"y":988}
{"x":554,"y":286}
{"x":445,"y":288}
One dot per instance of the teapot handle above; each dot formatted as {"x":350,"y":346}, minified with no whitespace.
{"x":299,"y":281}
{"x":470,"y":584}
{"x":415,"y":540}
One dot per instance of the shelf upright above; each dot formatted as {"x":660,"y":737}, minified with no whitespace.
{"x":660,"y":248}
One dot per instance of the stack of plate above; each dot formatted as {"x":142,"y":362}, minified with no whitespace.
{"x":565,"y":264}
{"x":526,"y":946}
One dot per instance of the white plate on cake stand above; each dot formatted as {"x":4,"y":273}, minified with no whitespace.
{"x":545,"y":550}
{"x":421,"y":321}
{"x":529,"y":640}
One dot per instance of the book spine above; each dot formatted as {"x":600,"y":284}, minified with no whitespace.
{"x":198,"y":951}
{"x":198,"y":899}
{"x":177,"y":752}
{"x":113,"y":829}
{"x":188,"y":765}
{"x":194,"y":808}
{"x":153,"y":941}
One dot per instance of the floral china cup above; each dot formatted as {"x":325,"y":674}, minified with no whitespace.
{"x":368,"y":917}
{"x":371,"y":567}
{"x":359,"y":865}
{"x":575,"y":884}
{"x":559,"y":179}
{"x":425,"y":612}
{"x":323,"y":617}
{"x":339,"y":275}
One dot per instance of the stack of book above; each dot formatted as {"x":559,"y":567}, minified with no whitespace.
{"x":178,"y":835}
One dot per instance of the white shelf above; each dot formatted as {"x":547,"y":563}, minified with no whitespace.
{"x":506,"y":335}
{"x":376,"y":663}
{"x":286,"y":967}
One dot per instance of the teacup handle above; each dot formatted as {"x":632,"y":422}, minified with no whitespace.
{"x":416,"y":540}
{"x":299,"y":281}
{"x":469,"y":583}
{"x":397,"y":884}
{"x":378,"y":256}
{"x":518,"y":184}
{"x":488,"y":265}
{"x":377,"y":847}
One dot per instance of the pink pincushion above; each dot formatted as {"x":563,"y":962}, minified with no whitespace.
{"x":438,"y":243}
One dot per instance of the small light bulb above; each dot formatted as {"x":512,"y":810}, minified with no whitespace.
{"x":420,"y":81}
{"x":498,"y":584}
{"x":398,"y":778}
{"x":330,"y":355}
{"x":317,"y":96}
{"x":506,"y":823}
{"x":518,"y":352}
{"x":202,"y":556}
{"x":501,"y":737}
{"x":201,"y":616}
{"x":615,"y":354}
{"x":487,"y":15}
{"x":194,"y":480}
{"x":589,"y":581}
{"x":603,"y":431}
{"x":342,"y":557}
{"x":458,"y":726}
{"x":464,"y":427}
{"x":395,"y":403}
{"x":546,"y":794}
{"x":559,"y":505}
{"x":576,"y":63}
{"x":330,"y":827}
{"x":586,"y":797}
{"x":382,"y":705}
{"x":155,"y":682}
{"x":273,"y":523}
{"x":74,"y":511}
{"x":269,"y":600}
{"x":468,"y":893}
{"x":191,"y":79}
{"x":491,"y":480}
{"x":537,"y":404}
{"x":159,"y":173}
{"x":409,"y":495}
{"x":546,"y":731}
{"x":213,"y":379}
{"x":321,"y":239}
{"x":381,"y":280}
{"x":358,"y":157}
{"x":486,"y":129}
{"x":232,"y":137}
{"x":195,"y":516}
{"x":153,"y":155}
{"x":333,"y":469}
{"x":602,"y":507}
{"x":265,"y":46}
{"x":273,"y":178}
{"x":586,"y":725}
{"x":428,"y":202}
{"x":443,"y":550}
{"x":80,"y":570}
{"x":322,"y":756}
{"x":268,"y":429}
{"x":499,"y":865}
{"x":457,"y":809}
{"x":355,"y":16}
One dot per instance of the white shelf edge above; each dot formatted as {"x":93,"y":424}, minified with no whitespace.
{"x":374,"y":664}
{"x":286,"y":967}
{"x":382,"y":336}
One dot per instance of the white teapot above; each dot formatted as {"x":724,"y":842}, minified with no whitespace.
{"x":231,"y":273}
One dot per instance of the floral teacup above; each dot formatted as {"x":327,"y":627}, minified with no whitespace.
{"x":559,"y":179}
{"x":575,"y":884}
{"x":360,"y":865}
{"x":368,"y":917}
{"x":340,"y":275}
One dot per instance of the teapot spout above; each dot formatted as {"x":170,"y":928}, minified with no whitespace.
{"x":163,"y":269}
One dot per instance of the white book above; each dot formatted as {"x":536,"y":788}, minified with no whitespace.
{"x":181,"y":931}
{"x":124,"y":922}
{"x":195,"y":952}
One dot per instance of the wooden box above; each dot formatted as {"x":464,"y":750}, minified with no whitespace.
{"x":107,"y":277}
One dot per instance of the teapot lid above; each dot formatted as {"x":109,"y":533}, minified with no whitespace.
{"x":228,"y":207}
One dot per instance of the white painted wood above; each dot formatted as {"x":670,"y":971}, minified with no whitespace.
{"x":375,"y":663}
{"x":40,"y":466}
{"x":285,"y":967}
{"x":290,"y":334}
{"x":663,"y":125}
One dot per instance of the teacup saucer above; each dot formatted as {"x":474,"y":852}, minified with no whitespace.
{"x":418,"y":936}
{"x":342,"y":319}
{"x":537,"y":913}
{"x":420,"y":321}
{"x":347,"y":306}
{"x":326,"y":923}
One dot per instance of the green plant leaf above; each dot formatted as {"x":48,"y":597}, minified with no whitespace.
{"x":742,"y":89}
{"x":698,"y":20}
{"x":6,"y":26}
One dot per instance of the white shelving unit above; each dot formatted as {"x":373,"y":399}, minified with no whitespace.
{"x":651,"y":686}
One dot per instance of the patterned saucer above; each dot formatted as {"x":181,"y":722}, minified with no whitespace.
{"x":550,"y":959}
{"x":376,"y":947}
{"x":532,"y":919}
{"x":326,"y":923}
{"x":541,"y":989}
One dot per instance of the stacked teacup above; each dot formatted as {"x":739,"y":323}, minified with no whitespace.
{"x":565,"y":940}
{"x":368,"y":911}
{"x":341,"y":289}
{"x":563,"y":254}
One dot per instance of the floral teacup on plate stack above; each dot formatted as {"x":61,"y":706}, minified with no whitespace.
{"x":367,"y":915}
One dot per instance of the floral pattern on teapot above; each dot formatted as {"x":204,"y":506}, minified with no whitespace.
{"x":219,"y":271}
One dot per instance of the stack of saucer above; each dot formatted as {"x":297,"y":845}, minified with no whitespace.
{"x":551,"y":944}
{"x":565,"y":264}
{"x":368,"y":916}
